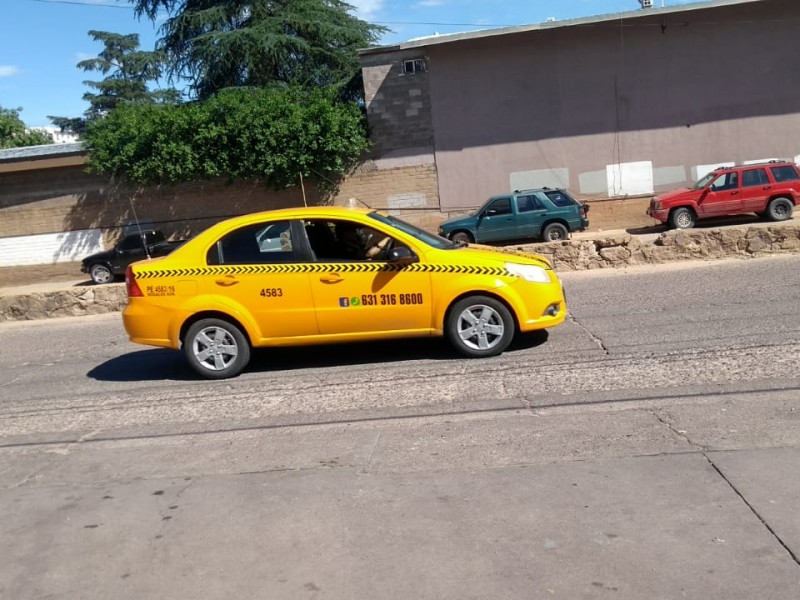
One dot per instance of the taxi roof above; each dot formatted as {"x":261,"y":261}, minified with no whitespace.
{"x":300,"y":212}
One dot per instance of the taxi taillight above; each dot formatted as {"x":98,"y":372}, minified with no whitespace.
{"x":133,"y":289}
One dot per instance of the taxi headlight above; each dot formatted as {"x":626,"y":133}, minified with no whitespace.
{"x":530,"y":273}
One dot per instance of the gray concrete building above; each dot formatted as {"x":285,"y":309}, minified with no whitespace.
{"x":612,"y":106}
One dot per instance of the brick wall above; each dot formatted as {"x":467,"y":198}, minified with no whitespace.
{"x":40,"y":203}
{"x":398,"y":103}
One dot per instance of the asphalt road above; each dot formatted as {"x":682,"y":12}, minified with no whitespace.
{"x":647,"y":448}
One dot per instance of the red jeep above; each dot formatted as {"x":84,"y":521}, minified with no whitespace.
{"x":771,"y":190}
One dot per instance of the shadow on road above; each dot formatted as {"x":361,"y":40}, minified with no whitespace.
{"x":170,"y":365}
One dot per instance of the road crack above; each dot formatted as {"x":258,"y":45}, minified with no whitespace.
{"x":752,"y":508}
{"x":597,"y":340}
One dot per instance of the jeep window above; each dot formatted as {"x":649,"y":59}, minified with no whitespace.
{"x":754,"y":177}
{"x":784,"y":173}
{"x":528,"y":203}
{"x":704,"y":181}
{"x":502,"y":206}
{"x":726,"y":181}
{"x":559,"y":198}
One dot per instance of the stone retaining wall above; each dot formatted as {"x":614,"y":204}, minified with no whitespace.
{"x":671,"y":246}
{"x":610,"y":252}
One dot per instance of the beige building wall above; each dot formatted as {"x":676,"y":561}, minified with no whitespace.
{"x":615,"y":107}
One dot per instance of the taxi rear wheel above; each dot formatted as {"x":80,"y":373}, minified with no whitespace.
{"x":216,"y":349}
{"x":480,"y":326}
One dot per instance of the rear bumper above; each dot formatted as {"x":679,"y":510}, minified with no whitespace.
{"x":148,"y":324}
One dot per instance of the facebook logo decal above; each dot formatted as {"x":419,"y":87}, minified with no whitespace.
{"x":344,"y":302}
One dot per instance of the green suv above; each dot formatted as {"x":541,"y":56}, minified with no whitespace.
{"x":543,"y":213}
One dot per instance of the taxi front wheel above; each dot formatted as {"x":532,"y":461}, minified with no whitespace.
{"x":216,"y":349}
{"x":480,"y":326}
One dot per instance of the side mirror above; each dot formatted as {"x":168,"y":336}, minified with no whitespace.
{"x":402,"y":255}
{"x":490,"y":213}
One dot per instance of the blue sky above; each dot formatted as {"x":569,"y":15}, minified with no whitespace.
{"x":41,"y":41}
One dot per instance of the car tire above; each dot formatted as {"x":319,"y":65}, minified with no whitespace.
{"x":780,"y":209}
{"x":555,"y":232}
{"x":480,"y":326}
{"x":682,"y":218}
{"x":461,"y":237}
{"x":216,"y":349}
{"x":101,"y":273}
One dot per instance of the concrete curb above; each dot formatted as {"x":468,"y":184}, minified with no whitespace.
{"x":613,"y":251}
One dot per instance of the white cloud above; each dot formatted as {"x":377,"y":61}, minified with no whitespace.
{"x":428,"y":3}
{"x":8,"y":71}
{"x":366,"y":9}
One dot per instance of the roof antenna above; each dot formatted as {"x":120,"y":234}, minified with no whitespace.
{"x":139,"y":227}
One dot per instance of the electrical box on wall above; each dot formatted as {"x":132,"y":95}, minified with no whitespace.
{"x":646,"y":3}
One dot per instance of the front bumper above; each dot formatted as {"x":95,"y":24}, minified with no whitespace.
{"x":659,"y":214}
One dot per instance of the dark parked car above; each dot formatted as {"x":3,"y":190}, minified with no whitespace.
{"x":104,"y":267}
{"x":544,"y":213}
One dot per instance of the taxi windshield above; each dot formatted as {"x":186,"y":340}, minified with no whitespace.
{"x":412,"y":230}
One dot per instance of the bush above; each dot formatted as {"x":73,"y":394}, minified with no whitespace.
{"x":273,"y":134}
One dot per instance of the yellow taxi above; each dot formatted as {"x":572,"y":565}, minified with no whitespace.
{"x":332,"y":274}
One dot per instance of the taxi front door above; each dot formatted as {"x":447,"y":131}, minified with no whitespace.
{"x":370,"y":297}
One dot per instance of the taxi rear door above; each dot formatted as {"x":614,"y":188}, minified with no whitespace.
{"x":263,"y":271}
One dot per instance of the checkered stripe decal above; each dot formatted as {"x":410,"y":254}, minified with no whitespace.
{"x":322,"y":268}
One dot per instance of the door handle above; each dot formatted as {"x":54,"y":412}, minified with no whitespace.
{"x":228,"y":281}
{"x":331,"y":278}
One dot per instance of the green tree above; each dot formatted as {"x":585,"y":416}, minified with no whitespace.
{"x":275,"y":134}
{"x":216,"y":44}
{"x":14,"y":133}
{"x":128,"y":72}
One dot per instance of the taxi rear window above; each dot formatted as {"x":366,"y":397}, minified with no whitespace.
{"x":254,"y":244}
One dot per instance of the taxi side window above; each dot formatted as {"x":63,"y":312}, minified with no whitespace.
{"x":254,"y":244}
{"x":337,"y":240}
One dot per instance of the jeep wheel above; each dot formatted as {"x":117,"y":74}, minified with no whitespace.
{"x":480,"y":326}
{"x":555,"y":232}
{"x":780,"y":209}
{"x":216,"y":349}
{"x":682,"y":218}
{"x":461,"y":237}
{"x":101,"y":274}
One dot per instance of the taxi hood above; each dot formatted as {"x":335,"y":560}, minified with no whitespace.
{"x":481,"y":252}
